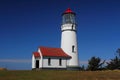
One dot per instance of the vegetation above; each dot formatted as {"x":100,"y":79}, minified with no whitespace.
{"x":118,"y":52}
{"x":95,"y":64}
{"x":59,"y":75}
{"x":82,"y":68}
{"x":113,"y":64}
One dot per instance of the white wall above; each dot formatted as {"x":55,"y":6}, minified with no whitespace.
{"x":69,"y":39}
{"x":54,"y":63}
{"x":41,"y":59}
{"x":68,"y":27}
{"x":38,"y":58}
{"x":33,"y":61}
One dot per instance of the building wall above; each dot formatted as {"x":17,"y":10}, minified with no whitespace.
{"x":33,"y":62}
{"x":54,"y":63}
{"x":41,"y":59}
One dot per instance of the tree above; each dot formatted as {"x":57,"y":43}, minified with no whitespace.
{"x":82,"y":68}
{"x":118,"y":52}
{"x":114,"y":63}
{"x":95,"y":64}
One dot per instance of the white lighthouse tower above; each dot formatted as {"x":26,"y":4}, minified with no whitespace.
{"x":69,"y":38}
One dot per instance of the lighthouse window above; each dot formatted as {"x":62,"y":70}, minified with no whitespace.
{"x":49,"y":61}
{"x":73,"y":48}
{"x":68,"y":18}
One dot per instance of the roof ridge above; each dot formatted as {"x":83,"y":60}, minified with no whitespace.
{"x":48,"y":47}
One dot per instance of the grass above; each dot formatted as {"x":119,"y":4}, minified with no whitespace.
{"x":59,"y":75}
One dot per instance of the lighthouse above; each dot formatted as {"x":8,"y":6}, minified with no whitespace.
{"x":69,"y":38}
{"x":66,"y":57}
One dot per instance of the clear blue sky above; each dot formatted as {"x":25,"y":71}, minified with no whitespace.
{"x":27,"y":24}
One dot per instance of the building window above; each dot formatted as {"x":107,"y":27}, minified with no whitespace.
{"x":60,"y":62}
{"x":73,"y":48}
{"x":49,"y":61}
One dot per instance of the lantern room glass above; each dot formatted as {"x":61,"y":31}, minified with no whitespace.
{"x":68,"y":18}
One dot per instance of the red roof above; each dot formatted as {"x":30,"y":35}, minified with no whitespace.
{"x":53,"y":52}
{"x":68,"y":11}
{"x":36,"y":54}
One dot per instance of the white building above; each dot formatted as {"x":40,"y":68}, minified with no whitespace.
{"x":65,"y":57}
{"x":50,"y":58}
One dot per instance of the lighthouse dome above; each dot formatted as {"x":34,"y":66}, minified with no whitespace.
{"x":68,"y":11}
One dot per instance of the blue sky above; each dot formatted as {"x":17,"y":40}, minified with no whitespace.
{"x":27,"y":24}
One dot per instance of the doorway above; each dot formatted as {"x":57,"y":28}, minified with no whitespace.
{"x":37,"y":63}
